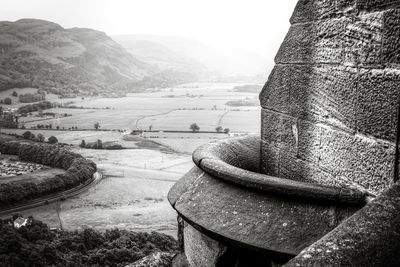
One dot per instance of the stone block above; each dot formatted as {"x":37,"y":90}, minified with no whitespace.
{"x":310,"y":10}
{"x":316,"y":93}
{"x":275,"y":93}
{"x":298,"y":44}
{"x":391,"y":37}
{"x":309,"y":142}
{"x":314,"y":42}
{"x":363,"y":40}
{"x":200,"y":250}
{"x":357,"y":161}
{"x":271,"y":125}
{"x":298,"y":169}
{"x":377,"y":105}
{"x":375,"y":5}
{"x":270,"y":162}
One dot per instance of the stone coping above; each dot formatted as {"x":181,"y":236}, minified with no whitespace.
{"x":237,"y":161}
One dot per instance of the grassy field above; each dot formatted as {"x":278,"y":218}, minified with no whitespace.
{"x":131,"y":196}
{"x":168,"y":109}
{"x":137,"y":179}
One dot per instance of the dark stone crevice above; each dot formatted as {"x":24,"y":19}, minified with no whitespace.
{"x":396,"y":160}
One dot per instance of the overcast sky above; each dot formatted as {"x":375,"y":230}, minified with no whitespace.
{"x":257,"y":25}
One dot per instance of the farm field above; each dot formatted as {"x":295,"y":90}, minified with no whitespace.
{"x":168,"y":109}
{"x":132,"y":194}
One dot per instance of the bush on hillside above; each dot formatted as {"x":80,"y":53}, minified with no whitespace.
{"x":35,"y":245}
{"x":52,"y":140}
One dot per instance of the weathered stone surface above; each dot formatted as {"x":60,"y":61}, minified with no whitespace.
{"x":242,"y":216}
{"x":377,"y":105}
{"x":201,"y":251}
{"x":305,"y":151}
{"x":362,"y":40}
{"x":329,"y":117}
{"x":391,"y":37}
{"x":334,"y":41}
{"x":157,"y":259}
{"x":316,"y":93}
{"x":330,"y":106}
{"x":374,"y":5}
{"x":309,"y":10}
{"x":357,"y":161}
{"x":368,"y":238}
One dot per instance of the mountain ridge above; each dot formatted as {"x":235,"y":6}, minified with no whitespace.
{"x":42,"y":54}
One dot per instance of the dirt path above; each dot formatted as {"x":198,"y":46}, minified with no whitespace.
{"x":221,"y":118}
{"x":149,"y":116}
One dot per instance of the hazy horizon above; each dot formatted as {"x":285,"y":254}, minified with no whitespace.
{"x":257,"y":27}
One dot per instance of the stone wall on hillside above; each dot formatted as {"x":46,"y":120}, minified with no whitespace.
{"x":330,"y":106}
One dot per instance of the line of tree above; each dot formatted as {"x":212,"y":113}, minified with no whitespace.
{"x":99,"y":145}
{"x":39,"y":138}
{"x":195,"y":128}
{"x":78,"y":171}
{"x":35,"y":107}
{"x":219,"y":129}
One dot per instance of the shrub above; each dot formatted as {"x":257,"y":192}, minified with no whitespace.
{"x":99,"y":144}
{"x":27,"y":135}
{"x":82,"y":144}
{"x":194,"y":127}
{"x":7,"y":101}
{"x":40,"y":137}
{"x":36,"y":245}
{"x":52,"y":140}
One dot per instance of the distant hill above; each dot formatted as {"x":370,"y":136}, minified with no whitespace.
{"x":42,"y":54}
{"x":184,"y":53}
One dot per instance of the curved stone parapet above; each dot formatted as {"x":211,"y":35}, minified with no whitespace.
{"x":237,"y":161}
{"x":223,"y":200}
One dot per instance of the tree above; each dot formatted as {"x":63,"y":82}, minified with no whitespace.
{"x":28,"y":135}
{"x":83,"y":144}
{"x":15,"y":94}
{"x":99,"y":144}
{"x":194,"y":127}
{"x":227,"y":130}
{"x":97,"y":125}
{"x":219,"y":129}
{"x":7,"y":101}
{"x":40,"y":137}
{"x":52,"y":140}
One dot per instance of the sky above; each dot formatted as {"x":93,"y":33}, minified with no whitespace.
{"x":255,"y":25}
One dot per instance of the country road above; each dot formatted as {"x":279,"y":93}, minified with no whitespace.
{"x":52,"y":198}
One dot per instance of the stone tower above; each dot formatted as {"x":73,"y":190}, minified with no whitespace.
{"x":330,"y":106}
{"x":319,"y":188}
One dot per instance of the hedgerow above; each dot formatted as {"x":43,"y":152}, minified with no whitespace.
{"x":78,"y":170}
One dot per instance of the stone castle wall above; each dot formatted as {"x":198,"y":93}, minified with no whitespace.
{"x":330,"y":106}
